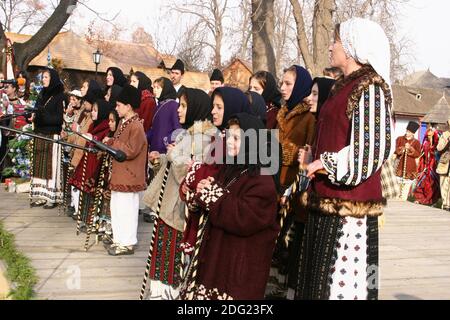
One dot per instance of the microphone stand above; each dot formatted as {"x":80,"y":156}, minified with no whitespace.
{"x":37,"y":136}
{"x":118,"y":155}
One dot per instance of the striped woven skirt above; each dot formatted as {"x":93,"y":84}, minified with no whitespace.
{"x":46,"y":179}
{"x":166,"y":264}
{"x":339,"y":258}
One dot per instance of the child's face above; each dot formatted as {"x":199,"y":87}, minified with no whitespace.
{"x":95,"y":112}
{"x":112,"y":123}
{"x":234,"y":140}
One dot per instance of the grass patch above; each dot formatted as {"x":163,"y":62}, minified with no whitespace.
{"x":19,"y":270}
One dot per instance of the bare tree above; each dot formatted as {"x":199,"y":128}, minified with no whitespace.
{"x":18,"y":15}
{"x":241,"y":33}
{"x":190,"y":49}
{"x":210,"y":15}
{"x":315,"y":55}
{"x":102,"y":35}
{"x":141,"y":36}
{"x":263,"y":26}
{"x":25,"y":52}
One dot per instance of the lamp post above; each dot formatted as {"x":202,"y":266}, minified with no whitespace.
{"x":97,"y":57}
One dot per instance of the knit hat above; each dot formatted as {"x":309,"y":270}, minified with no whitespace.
{"x":179,"y":65}
{"x":130,"y":95}
{"x":413,"y":127}
{"x":217,"y":75}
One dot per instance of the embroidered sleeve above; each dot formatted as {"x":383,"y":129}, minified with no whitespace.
{"x":371,"y":141}
{"x":210,"y":195}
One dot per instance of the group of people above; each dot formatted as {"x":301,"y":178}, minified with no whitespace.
{"x":191,"y":161}
{"x":422,"y":169}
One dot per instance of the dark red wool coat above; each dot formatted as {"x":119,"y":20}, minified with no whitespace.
{"x":236,"y":252}
{"x":147,"y":109}
{"x":92,"y":160}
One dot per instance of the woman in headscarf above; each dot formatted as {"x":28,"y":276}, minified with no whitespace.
{"x":233,"y":258}
{"x":265,"y":84}
{"x":114,"y":76}
{"x":147,"y":108}
{"x":339,"y":258}
{"x":48,"y":121}
{"x":320,"y":92}
{"x":226,"y":102}
{"x":427,"y":190}
{"x":165,"y":121}
{"x":194,"y":113}
{"x":85,"y":176}
{"x":297,"y":129}
{"x":257,"y":106}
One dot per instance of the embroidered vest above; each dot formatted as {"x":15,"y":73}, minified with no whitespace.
{"x":333,"y":134}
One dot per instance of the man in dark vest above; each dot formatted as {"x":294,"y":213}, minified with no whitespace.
{"x":176,"y":75}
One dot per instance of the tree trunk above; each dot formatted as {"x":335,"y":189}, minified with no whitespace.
{"x":263,"y":26}
{"x":25,"y":52}
{"x":322,"y":33}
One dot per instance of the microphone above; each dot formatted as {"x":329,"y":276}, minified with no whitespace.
{"x":19,"y":81}
{"x":118,"y":155}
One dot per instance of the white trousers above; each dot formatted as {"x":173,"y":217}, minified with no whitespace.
{"x":124,"y":217}
{"x":75,"y":195}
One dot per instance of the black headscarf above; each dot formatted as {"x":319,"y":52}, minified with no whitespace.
{"x":234,"y":100}
{"x":145,"y":83}
{"x":198,"y":106}
{"x":94,"y":92}
{"x":249,"y":148}
{"x":271,"y":93}
{"x":104,"y":108}
{"x":302,"y":87}
{"x":168,"y":91}
{"x":119,"y":77}
{"x":55,"y":87}
{"x":258,"y":106}
{"x":115,"y":93}
{"x":325,"y":85}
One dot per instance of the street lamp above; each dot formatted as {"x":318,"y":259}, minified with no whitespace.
{"x":97,"y":57}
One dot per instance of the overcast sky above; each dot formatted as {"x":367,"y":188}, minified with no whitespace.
{"x":426,"y":22}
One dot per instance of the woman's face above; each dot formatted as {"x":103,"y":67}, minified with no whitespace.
{"x":112,"y":122}
{"x":134,"y":81}
{"x":10,"y":90}
{"x":287,"y":85}
{"x":84,"y":88}
{"x":182,"y":110}
{"x":338,"y":58}
{"x":109,"y":78}
{"x":234,"y":140}
{"x":46,"y":79}
{"x":157,"y":90}
{"x":313,"y":99}
{"x":218,"y":110}
{"x":255,"y":86}
{"x":94,"y":112}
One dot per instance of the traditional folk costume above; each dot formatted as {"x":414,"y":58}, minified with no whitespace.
{"x":406,"y":170}
{"x":297,"y":129}
{"x":166,"y":264}
{"x":235,"y":102}
{"x":165,"y":121}
{"x":339,"y":257}
{"x":85,"y":178}
{"x":147,"y":108}
{"x":128,"y":178}
{"x":443,"y":168}
{"x":46,"y":162}
{"x":238,"y":231}
{"x":427,"y":189}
